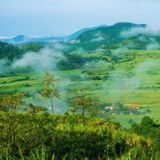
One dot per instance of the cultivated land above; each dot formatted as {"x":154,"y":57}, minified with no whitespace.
{"x":133,"y":82}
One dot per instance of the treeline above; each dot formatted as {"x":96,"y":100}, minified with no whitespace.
{"x":49,"y":136}
{"x":9,"y":51}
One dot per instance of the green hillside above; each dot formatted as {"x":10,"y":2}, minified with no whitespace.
{"x":119,"y":74}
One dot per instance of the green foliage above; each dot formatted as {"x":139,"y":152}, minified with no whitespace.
{"x":32,"y":109}
{"x":149,"y":129}
{"x":46,"y":136}
{"x":72,"y":61}
{"x":32,"y":46}
{"x":81,"y":102}
{"x":11,"y":102}
{"x":9,"y":51}
{"x":49,"y":89}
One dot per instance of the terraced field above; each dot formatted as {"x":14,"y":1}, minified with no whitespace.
{"x":132,"y":81}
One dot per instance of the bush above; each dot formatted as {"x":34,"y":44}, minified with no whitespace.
{"x":63,"y":136}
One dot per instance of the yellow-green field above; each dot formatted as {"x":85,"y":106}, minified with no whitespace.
{"x":135,"y":81}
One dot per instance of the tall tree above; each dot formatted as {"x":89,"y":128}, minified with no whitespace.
{"x":81,"y":102}
{"x":49,"y":89}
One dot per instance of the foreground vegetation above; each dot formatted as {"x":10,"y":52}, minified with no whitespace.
{"x":49,"y":136}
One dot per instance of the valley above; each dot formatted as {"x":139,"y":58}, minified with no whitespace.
{"x":79,"y":80}
{"x":123,"y":80}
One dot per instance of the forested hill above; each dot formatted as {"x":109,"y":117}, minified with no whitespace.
{"x":108,"y":34}
{"x":133,"y":36}
{"x":9,"y":51}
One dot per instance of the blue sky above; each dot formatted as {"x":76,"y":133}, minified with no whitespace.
{"x":62,"y":17}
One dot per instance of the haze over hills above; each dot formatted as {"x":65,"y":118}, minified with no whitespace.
{"x":93,"y":34}
{"x":24,"y":39}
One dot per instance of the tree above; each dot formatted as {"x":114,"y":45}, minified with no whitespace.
{"x":49,"y":90}
{"x":81,"y":102}
{"x":11,"y":102}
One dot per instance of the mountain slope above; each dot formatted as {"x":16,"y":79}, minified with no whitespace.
{"x":80,"y":32}
{"x":106,"y":35}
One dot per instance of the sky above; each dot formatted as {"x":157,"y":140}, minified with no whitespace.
{"x":63,"y":17}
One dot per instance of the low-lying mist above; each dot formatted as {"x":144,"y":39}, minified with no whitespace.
{"x":43,"y":61}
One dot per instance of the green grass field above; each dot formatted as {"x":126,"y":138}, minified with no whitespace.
{"x":135,"y":81}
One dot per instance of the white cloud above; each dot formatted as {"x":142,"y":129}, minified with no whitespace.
{"x":45,"y":60}
{"x":98,"y":39}
{"x":149,"y":30}
{"x":6,"y":37}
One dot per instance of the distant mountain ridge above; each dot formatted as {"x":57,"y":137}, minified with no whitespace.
{"x":25,"y":39}
{"x":86,"y":34}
